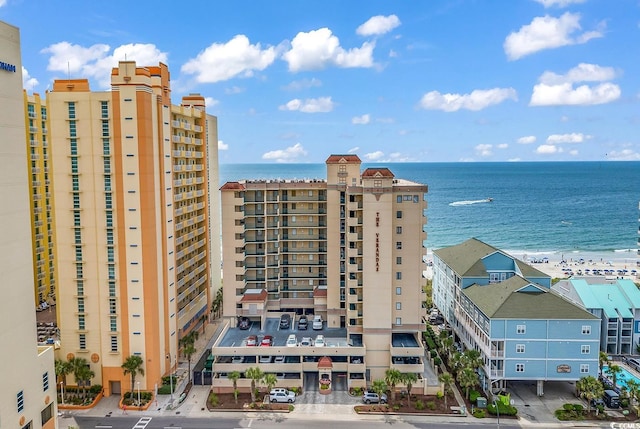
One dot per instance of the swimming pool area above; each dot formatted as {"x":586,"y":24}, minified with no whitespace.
{"x":622,"y":378}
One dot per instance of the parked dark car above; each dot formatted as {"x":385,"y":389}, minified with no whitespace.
{"x":303,"y":323}
{"x":285,"y":321}
{"x":244,"y":323}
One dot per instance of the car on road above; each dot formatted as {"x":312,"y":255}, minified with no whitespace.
{"x":303,"y":323}
{"x":252,"y":341}
{"x":306,"y":341}
{"x":244,"y":323}
{"x":317,"y":322}
{"x":292,"y":341}
{"x":285,"y":321}
{"x":267,"y":341}
{"x":374,"y":398}
{"x":319,"y":342}
{"x":282,"y":395}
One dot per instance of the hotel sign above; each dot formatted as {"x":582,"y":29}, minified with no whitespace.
{"x":563,"y":368}
{"x":7,"y":67}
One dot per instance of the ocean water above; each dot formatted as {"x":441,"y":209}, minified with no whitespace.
{"x":523,"y":207}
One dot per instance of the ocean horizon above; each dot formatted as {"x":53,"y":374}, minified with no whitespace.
{"x":525,"y":208}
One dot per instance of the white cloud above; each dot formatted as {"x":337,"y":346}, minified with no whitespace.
{"x":583,"y":72}
{"x":547,"y":32}
{"x":361,"y":120}
{"x":210,"y":101}
{"x":298,"y":85}
{"x":547,"y":149}
{"x":374,"y":156}
{"x":318,"y":49}
{"x":558,"y":3}
{"x":233,"y":90}
{"x":527,"y":140}
{"x":502,"y":146}
{"x":568,"y":138}
{"x":222,"y":145}
{"x":573,"y":152}
{"x":484,"y":149}
{"x":224,"y":61}
{"x":94,"y":61}
{"x":555,"y":89}
{"x":623,"y":155}
{"x":476,"y":100}
{"x":28,"y":82}
{"x":565,"y":94}
{"x":310,"y":105}
{"x":354,"y":149}
{"x":290,"y":154}
{"x":392,"y":53}
{"x":385,"y":120}
{"x":3,"y":3}
{"x":377,"y":25}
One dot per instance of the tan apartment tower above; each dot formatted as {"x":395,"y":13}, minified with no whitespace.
{"x":41,"y":191}
{"x":28,"y":393}
{"x":132,"y":177}
{"x":349,"y":249}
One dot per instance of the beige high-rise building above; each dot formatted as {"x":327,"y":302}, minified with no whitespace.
{"x":136,"y":209}
{"x":42,"y":217}
{"x":28,"y":392}
{"x":348,"y":249}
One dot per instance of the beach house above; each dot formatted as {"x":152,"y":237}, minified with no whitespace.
{"x":615,"y":302}
{"x":506,"y":309}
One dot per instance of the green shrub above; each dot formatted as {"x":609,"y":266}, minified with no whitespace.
{"x":213,"y":399}
{"x":578,"y":408}
{"x":396,"y":407}
{"x":505,"y":410}
{"x":431,"y":405}
{"x":437,"y":361}
{"x":624,"y":402}
{"x":439,"y":394}
{"x":95,"y":389}
{"x":433,"y":353}
{"x":430,"y":343}
{"x":567,"y":407}
{"x":165,"y":389}
{"x":473,"y":396}
{"x":167,"y":380}
{"x":419,"y":405}
{"x":479,"y":413}
{"x":291,"y":407}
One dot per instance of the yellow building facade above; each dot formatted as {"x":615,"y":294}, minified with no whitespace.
{"x":135,"y":218}
{"x":28,"y":393}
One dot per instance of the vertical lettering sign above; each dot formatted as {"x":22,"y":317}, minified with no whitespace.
{"x":377,"y":242}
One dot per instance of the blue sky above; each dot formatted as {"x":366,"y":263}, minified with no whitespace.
{"x":391,"y":81}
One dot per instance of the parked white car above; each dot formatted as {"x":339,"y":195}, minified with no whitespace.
{"x":306,"y":341}
{"x":282,"y":395}
{"x":292,"y":341}
{"x":317,"y":322}
{"x":319,"y":341}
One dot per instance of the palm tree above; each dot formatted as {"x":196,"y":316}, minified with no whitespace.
{"x":379,"y":386}
{"x":472,"y":359}
{"x":467,"y":378}
{"x":447,"y":382}
{"x":84,"y":374}
{"x":634,"y":390}
{"x":188,"y":343}
{"x":409,"y":378}
{"x":270,"y":380}
{"x":76,"y":365}
{"x":63,"y":368}
{"x":133,"y":366}
{"x":234,"y":376}
{"x":255,"y":374}
{"x":590,"y":388}
{"x":393,"y":377}
{"x":613,"y":371}
{"x":603,"y":358}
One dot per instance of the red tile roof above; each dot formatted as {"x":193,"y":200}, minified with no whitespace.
{"x":350,"y":159}
{"x":231,"y":186}
{"x":372,"y":172}
{"x":319,"y":292}
{"x":325,"y":362}
{"x":254,"y":297}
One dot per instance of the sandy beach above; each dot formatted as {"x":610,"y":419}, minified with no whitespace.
{"x":564,"y":265}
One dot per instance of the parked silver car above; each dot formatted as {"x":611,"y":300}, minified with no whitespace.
{"x":374,"y":398}
{"x":282,"y":395}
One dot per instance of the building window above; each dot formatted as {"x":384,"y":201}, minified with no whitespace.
{"x":398,"y":306}
{"x":399,"y":290}
{"x":399,"y":275}
{"x":521,"y":329}
{"x":399,"y":260}
{"x":81,"y":322}
{"x":586,"y":329}
{"x":398,"y":320}
{"x":45,"y":381}
{"x":584,"y":368}
{"x":519,"y":367}
{"x":519,"y":348}
{"x":82,"y":341}
{"x":398,"y":230}
{"x":114,"y":343}
{"x":377,"y":183}
{"x":585,"y":349}
{"x":46,"y":414}
{"x":20,"y":401}
{"x":399,"y":214}
{"x":398,"y":245}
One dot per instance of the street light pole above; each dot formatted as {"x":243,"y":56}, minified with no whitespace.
{"x":170,"y":376}
{"x":138,"y":383}
{"x":62,"y":391}
{"x":497,"y":412}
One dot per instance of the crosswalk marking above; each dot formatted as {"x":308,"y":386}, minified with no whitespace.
{"x":142,"y":423}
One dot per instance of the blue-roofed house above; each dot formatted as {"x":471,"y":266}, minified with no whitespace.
{"x":506,"y":309}
{"x":615,"y":302}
